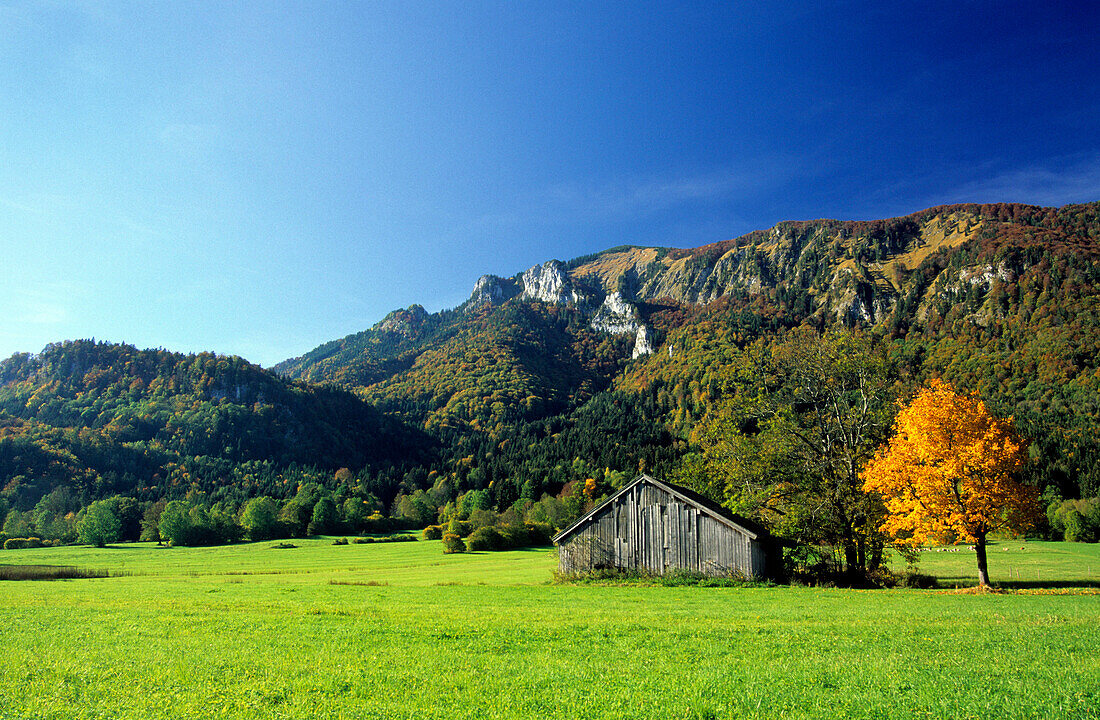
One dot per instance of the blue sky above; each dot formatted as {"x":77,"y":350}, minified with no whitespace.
{"x":258,"y":178}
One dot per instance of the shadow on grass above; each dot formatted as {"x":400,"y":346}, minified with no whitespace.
{"x":964,"y":582}
{"x":1047,"y":584}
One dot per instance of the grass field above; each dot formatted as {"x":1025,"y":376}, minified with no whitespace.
{"x":403,"y":631}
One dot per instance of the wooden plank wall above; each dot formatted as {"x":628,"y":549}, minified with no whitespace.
{"x":649,"y":529}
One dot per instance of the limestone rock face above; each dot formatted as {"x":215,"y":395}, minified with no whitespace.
{"x":619,"y":317}
{"x":641,"y":343}
{"x":549,"y":283}
{"x":403,"y":322}
{"x":491,"y":290}
{"x":616,"y":316}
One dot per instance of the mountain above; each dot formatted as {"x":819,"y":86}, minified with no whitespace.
{"x":594,"y":368}
{"x":1001,"y":299}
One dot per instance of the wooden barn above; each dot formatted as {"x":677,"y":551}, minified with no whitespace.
{"x":656,"y":526}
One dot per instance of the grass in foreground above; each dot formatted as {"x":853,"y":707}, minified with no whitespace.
{"x":402,"y":631}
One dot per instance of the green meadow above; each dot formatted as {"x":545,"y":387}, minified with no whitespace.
{"x":403,"y":631}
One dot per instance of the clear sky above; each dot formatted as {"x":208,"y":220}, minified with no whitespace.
{"x":258,"y":178}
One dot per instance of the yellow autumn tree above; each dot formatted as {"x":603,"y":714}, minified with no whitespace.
{"x":949,"y":473}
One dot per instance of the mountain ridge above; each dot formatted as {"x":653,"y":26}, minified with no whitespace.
{"x":948,"y":274}
{"x":536,"y":382}
{"x":872,"y":262}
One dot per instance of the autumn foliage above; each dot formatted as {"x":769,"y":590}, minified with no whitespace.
{"x":949,"y":473}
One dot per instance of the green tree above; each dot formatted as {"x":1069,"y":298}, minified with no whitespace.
{"x":129,"y":513}
{"x":474,"y":500}
{"x":150,"y":520}
{"x":355,"y":511}
{"x":260,"y":518}
{"x":18,"y":524}
{"x":787,"y":443}
{"x":54,"y":516}
{"x":100,"y":524}
{"x":298,"y":511}
{"x":324,"y":516}
{"x":175,"y":525}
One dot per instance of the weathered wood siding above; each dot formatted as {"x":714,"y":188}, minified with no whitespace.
{"x":649,"y":529}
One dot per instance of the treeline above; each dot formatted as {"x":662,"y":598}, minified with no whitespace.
{"x":312,"y":510}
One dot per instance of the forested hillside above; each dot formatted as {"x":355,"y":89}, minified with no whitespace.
{"x":96,"y":419}
{"x":561,"y":381}
{"x":999,"y":299}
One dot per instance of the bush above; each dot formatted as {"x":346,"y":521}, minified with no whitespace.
{"x":458,"y":527}
{"x":453,"y":544}
{"x":385,"y":539}
{"x":379,"y":523}
{"x":433,"y":532}
{"x":1075,"y":520}
{"x":486,"y":538}
{"x":537,"y":534}
{"x":480,"y":518}
{"x":340,"y":541}
{"x":22,"y":543}
{"x":514,"y":536}
{"x":918,"y":580}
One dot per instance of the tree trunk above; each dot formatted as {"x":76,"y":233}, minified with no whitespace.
{"x":983,"y":570}
{"x":876,"y":557}
{"x":851,"y":563}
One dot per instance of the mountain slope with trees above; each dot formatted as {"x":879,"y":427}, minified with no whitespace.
{"x":548,"y":388}
{"x":98,"y":419}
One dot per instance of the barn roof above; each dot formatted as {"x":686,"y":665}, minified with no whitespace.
{"x":708,"y":506}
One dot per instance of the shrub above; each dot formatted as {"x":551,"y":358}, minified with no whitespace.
{"x":913,"y":579}
{"x":340,"y":541}
{"x":433,"y":532}
{"x":378,"y":523}
{"x":539,"y":533}
{"x":385,"y":539}
{"x":514,"y":536}
{"x":480,"y":518}
{"x":485,"y":538}
{"x":458,"y":527}
{"x":22,"y":543}
{"x":453,"y":544}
